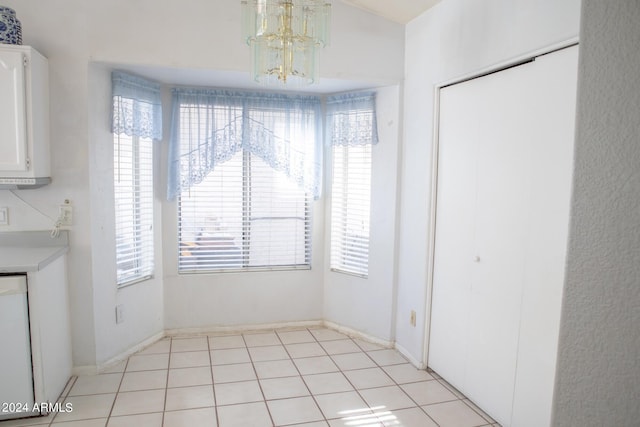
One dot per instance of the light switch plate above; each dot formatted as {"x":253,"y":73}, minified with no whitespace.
{"x":4,"y":216}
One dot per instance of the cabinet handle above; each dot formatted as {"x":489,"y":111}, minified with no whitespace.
{"x":476,"y":259}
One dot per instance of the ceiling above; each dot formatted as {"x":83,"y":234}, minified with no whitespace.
{"x":401,"y":11}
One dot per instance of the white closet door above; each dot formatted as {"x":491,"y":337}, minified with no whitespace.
{"x":504,"y":172}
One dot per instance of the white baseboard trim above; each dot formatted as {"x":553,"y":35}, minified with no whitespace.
{"x":242,"y":328}
{"x":124,"y":355}
{"x":403,"y":351}
{"x":79,"y":371}
{"x":353,"y":333}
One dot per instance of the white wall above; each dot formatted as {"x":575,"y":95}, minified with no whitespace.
{"x":367,"y":305}
{"x":453,"y":39}
{"x":598,"y":380}
{"x":80,"y":38}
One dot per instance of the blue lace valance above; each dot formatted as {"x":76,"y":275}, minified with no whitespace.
{"x":137,"y":107}
{"x":209,"y":126}
{"x":351,"y":119}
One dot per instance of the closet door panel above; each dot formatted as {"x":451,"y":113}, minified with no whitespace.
{"x":548,"y":222}
{"x":503,"y":103}
{"x":454,"y":251}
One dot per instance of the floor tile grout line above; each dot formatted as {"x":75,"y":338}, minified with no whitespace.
{"x":324,"y":417}
{"x":253,"y":366}
{"x":115,"y":399}
{"x":68,"y":388}
{"x":166,"y":388}
{"x":213,"y":382}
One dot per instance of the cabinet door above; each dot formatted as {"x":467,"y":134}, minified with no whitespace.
{"x":13,"y":135}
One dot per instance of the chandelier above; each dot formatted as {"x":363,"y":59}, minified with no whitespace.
{"x":285,"y":37}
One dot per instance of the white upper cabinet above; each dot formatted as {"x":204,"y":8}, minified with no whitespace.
{"x":24,"y":116}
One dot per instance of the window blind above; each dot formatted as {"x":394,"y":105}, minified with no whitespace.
{"x":352,"y":132}
{"x":350,"y":205}
{"x":244,"y":215}
{"x":133,"y":191}
{"x":240,"y":206}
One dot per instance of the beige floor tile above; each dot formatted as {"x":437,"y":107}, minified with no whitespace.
{"x":86,"y":407}
{"x":144,"y":380}
{"x":333,"y":382}
{"x":407,"y":373}
{"x":282,"y":388}
{"x":189,"y":359}
{"x":146,"y":420}
{"x":387,"y":357}
{"x":226,"y":342}
{"x":189,"y":344}
{"x":296,"y":337}
{"x":294,"y":411}
{"x":315,"y":365}
{"x":229,"y":355}
{"x":413,"y":417}
{"x":201,"y":417}
{"x":350,"y":361}
{"x":340,"y":347}
{"x":479,"y":411}
{"x":310,"y":349}
{"x":369,"y":378}
{"x":261,"y":339}
{"x":263,"y":354}
{"x":454,"y":414}
{"x":240,"y":392}
{"x":387,"y":398}
{"x":231,"y":373}
{"x":324,"y":334}
{"x":159,"y":347}
{"x":244,"y":415}
{"x":189,"y":398}
{"x":149,"y":362}
{"x":186,"y":377}
{"x":96,"y":384}
{"x":96,"y":422}
{"x":139,"y":402}
{"x":275,"y":369}
{"x":367,"y":346}
{"x":365,"y":420}
{"x":342,"y":405}
{"x":428,"y":392}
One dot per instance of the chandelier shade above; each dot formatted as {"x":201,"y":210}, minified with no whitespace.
{"x":285,"y":37}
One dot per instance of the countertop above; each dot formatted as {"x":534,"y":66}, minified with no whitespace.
{"x":29,"y":251}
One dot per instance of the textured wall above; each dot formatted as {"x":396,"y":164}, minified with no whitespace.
{"x":598,"y":381}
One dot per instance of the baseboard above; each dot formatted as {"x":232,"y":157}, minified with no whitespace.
{"x":242,"y":328}
{"x":403,"y":351}
{"x":78,"y":371}
{"x":132,"y":350}
{"x":354,"y":333}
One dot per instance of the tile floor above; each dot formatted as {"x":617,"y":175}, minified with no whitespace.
{"x":312,"y":377}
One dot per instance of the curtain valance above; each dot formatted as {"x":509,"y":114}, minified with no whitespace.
{"x":351,"y":119}
{"x":137,"y":106}
{"x":209,"y":126}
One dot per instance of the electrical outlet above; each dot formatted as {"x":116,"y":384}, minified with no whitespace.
{"x":413,"y":318}
{"x":65,"y":214}
{"x":119,"y":313}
